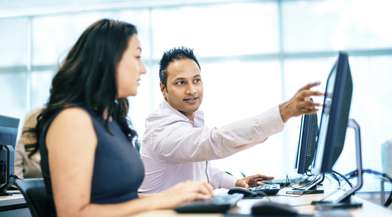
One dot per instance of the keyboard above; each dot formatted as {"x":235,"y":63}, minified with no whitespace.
{"x":217,"y":204}
{"x":266,"y":189}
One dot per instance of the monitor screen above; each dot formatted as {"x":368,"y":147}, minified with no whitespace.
{"x":334,"y":116}
{"x":306,"y":143}
{"x":8,"y":134}
{"x":8,"y":130}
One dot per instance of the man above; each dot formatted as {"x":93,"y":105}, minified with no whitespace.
{"x":176,"y":144}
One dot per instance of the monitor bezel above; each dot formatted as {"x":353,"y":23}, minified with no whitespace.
{"x":340,"y":94}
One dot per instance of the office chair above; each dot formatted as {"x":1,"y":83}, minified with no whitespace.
{"x":35,"y":194}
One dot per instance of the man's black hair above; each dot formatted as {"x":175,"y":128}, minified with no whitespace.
{"x":171,"y":55}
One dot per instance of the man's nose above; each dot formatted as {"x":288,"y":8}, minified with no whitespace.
{"x":191,"y":89}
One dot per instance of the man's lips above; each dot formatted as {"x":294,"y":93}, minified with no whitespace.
{"x":191,"y":99}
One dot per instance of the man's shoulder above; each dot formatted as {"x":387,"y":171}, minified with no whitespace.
{"x":163,"y":116}
{"x":161,"y":123}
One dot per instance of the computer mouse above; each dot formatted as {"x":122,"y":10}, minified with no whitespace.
{"x":269,"y":208}
{"x":246,"y":192}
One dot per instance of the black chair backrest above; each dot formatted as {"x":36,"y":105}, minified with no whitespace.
{"x":36,"y":197}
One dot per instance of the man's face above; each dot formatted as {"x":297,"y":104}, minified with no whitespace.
{"x":184,"y":87}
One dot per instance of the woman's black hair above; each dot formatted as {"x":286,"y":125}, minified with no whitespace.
{"x":87,"y":77}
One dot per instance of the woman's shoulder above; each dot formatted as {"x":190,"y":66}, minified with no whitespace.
{"x":73,"y":125}
{"x":73,"y":114}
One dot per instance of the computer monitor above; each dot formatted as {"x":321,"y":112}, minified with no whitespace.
{"x":8,"y":130}
{"x":306,"y":143}
{"x":334,"y":116}
{"x":8,"y":134}
{"x":332,"y":132}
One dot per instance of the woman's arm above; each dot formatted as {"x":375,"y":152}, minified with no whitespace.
{"x":71,"y":143}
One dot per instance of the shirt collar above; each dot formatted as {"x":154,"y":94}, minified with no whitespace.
{"x":199,"y":114}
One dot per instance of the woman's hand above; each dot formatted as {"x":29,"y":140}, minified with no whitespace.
{"x":184,"y":192}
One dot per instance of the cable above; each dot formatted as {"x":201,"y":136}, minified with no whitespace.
{"x":308,"y":173}
{"x":389,"y":200}
{"x":343,"y":177}
{"x":336,"y":178}
{"x":354,"y":173}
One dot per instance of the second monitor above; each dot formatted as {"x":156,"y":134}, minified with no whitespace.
{"x":307,"y":143}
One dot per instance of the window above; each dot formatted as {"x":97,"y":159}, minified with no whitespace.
{"x":336,"y":24}
{"x":53,"y":36}
{"x":40,"y":87}
{"x":299,"y":72}
{"x":217,"y":30}
{"x":234,"y":90}
{"x":147,"y":99}
{"x":14,"y":47}
{"x":371,"y":107}
{"x":13,"y":94}
{"x":252,"y":56}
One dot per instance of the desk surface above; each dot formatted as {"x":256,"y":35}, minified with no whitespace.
{"x":13,"y":199}
{"x":302,"y":203}
{"x":11,"y":202}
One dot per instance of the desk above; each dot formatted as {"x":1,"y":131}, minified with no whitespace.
{"x":302,"y":203}
{"x":13,"y":205}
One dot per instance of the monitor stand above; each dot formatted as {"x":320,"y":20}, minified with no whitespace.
{"x":344,"y":201}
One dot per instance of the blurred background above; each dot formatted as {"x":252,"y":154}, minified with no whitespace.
{"x":253,"y":55}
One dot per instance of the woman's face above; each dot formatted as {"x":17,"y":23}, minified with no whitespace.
{"x":129,"y":69}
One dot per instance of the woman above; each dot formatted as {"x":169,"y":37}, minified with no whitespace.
{"x":27,"y":159}
{"x":88,"y":161}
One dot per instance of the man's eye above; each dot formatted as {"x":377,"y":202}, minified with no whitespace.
{"x":197,"y":81}
{"x":179,"y":83}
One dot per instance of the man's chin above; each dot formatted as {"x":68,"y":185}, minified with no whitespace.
{"x":190,"y":109}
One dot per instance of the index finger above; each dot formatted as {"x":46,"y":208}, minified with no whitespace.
{"x":309,"y":85}
{"x":255,"y":176}
{"x":267,"y":177}
{"x":308,"y":93}
{"x":260,"y":176}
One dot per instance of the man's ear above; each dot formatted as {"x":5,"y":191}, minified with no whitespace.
{"x":163,"y":90}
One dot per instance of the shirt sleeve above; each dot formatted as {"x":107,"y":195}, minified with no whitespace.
{"x":220,"y":179}
{"x":181,"y":142}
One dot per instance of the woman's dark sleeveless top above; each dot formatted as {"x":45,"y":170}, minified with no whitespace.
{"x":118,"y":169}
